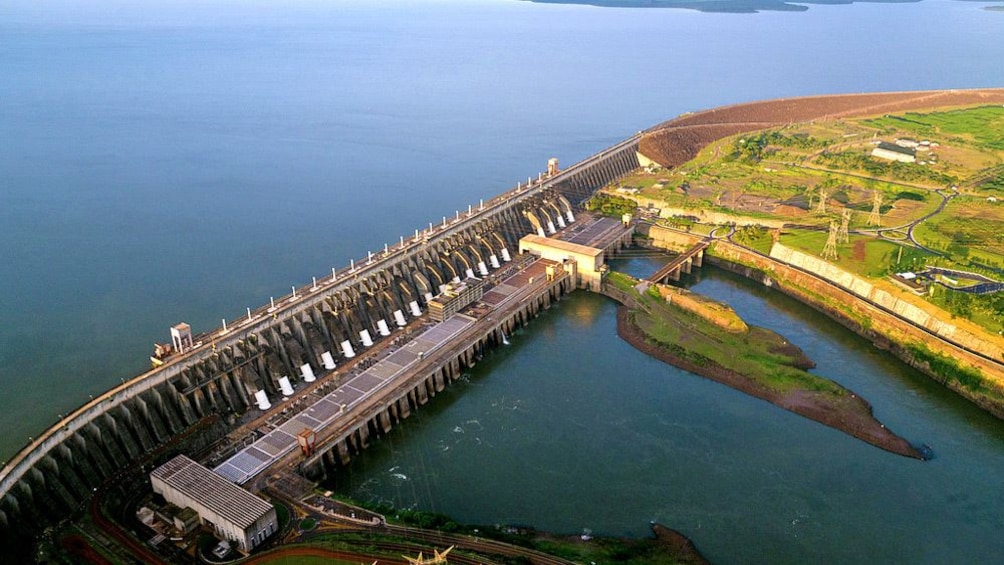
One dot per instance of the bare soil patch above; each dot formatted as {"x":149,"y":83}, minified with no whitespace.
{"x":678,"y":544}
{"x":858,"y":251}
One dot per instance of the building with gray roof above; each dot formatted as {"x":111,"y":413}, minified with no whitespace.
{"x":893,"y":152}
{"x":234,"y":513}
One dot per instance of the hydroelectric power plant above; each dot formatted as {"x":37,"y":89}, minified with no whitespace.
{"x":288,"y":393}
{"x":307,"y":379}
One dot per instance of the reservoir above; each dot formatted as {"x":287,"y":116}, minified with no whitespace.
{"x":571,"y":429}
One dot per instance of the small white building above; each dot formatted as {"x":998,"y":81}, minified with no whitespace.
{"x":234,"y":513}
{"x":893,"y":152}
{"x":181,"y":337}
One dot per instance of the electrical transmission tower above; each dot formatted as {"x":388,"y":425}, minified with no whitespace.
{"x":830,"y":250}
{"x":875,"y":218}
{"x":822,"y":201}
{"x":845,"y":220}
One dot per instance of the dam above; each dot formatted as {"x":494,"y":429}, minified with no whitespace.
{"x":322,"y":369}
{"x":332,"y":340}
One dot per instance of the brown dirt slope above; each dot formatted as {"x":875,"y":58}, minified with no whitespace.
{"x":679,"y":545}
{"x":679,"y":140}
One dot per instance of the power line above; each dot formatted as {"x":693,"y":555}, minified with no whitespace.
{"x":830,"y":250}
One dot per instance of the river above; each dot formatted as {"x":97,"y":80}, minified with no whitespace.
{"x":548,"y":432}
{"x":180,"y":161}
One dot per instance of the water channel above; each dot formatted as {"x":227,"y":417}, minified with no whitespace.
{"x":569,"y":428}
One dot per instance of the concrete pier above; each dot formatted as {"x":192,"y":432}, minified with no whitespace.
{"x":693,"y":257}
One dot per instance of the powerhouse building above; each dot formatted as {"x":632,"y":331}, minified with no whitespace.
{"x":234,"y":513}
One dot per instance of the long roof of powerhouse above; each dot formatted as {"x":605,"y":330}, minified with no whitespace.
{"x":255,"y":458}
{"x":597,"y":233}
{"x":213,"y":491}
{"x":563,"y":245}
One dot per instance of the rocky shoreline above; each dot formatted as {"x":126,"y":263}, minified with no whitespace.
{"x":850,"y":414}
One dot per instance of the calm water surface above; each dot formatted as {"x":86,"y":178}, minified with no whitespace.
{"x":550,"y":433}
{"x":166,"y":161}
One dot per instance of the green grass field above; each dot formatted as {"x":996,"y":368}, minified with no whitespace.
{"x":609,"y":550}
{"x":783,"y":173}
{"x":780,"y":163}
{"x":983,"y":126}
{"x":864,"y":256}
{"x":754,"y":237}
{"x":969,"y":229}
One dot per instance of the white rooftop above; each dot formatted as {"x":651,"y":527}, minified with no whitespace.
{"x":213,"y":491}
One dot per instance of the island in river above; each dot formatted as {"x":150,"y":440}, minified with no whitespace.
{"x":707,"y":338}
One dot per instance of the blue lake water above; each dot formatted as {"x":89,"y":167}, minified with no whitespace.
{"x":168,"y":161}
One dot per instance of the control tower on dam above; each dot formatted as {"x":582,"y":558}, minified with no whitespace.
{"x":256,"y":358}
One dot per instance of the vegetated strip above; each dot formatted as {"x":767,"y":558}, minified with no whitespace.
{"x":488,"y":544}
{"x":783,"y":383}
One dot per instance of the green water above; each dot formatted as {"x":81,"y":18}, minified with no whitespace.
{"x":571,"y":428}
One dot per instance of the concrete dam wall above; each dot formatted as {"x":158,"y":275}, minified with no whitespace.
{"x":880,"y":321}
{"x":874,"y":313}
{"x":884,"y":298}
{"x":300,"y":337}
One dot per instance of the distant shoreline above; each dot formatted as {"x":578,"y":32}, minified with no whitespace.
{"x":719,"y":6}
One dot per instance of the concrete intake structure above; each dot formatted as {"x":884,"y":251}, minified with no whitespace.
{"x":298,"y":337}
